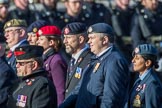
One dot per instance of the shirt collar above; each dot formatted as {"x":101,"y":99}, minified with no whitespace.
{"x":15,"y":46}
{"x":144,"y":74}
{"x":100,"y":54}
{"x":76,"y":56}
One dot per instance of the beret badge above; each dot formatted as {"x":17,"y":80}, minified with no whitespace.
{"x":136,"y":50}
{"x":90,"y":29}
{"x":40,"y":32}
{"x":66,"y":31}
{"x":35,"y":30}
{"x":8,"y":24}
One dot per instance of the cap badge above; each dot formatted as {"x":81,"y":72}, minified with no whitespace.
{"x":9,"y":24}
{"x":40,"y":32}
{"x":66,"y":31}
{"x":90,"y":29}
{"x":136,"y":50}
{"x":35,"y":30}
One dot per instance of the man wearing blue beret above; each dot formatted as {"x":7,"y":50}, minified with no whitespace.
{"x":106,"y":77}
{"x":32,"y":29}
{"x":147,"y":89}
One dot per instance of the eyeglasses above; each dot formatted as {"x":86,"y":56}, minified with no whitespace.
{"x":11,"y":30}
{"x":23,"y":63}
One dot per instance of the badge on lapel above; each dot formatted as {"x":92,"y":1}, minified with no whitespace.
{"x":137,"y":101}
{"x":96,"y":67}
{"x":21,"y":100}
{"x":78,"y":72}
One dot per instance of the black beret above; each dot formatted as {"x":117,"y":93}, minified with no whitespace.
{"x":28,"y":52}
{"x":101,"y":28}
{"x":145,"y":49}
{"x":74,"y":28}
{"x":36,"y":25}
{"x":2,"y":38}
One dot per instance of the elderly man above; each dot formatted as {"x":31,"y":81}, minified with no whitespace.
{"x":34,"y":89}
{"x":16,"y":34}
{"x":106,"y":78}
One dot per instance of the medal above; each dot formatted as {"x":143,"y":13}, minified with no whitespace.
{"x":96,"y":67}
{"x":137,"y":102}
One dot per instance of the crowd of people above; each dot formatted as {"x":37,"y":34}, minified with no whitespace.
{"x":77,"y":57}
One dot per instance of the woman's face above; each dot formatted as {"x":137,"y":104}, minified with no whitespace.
{"x":139,"y":64}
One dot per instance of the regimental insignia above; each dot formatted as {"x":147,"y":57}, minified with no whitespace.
{"x":40,"y":32}
{"x":90,"y":29}
{"x":137,"y":101}
{"x":29,"y":82}
{"x":78,"y":73}
{"x":136,"y":50}
{"x":66,"y":31}
{"x":96,"y":67}
{"x":35,"y":30}
{"x":8,"y":24}
{"x":21,"y":100}
{"x":21,"y":49}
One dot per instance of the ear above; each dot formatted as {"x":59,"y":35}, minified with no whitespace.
{"x":22,"y":32}
{"x":105,"y":40}
{"x":148,"y":63}
{"x":81,"y":39}
{"x":51,"y":43}
{"x":34,"y":65}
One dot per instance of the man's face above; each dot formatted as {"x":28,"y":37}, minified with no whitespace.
{"x":32,"y":39}
{"x":3,"y":11}
{"x":24,"y":68}
{"x":12,"y":35}
{"x":74,"y":6}
{"x":71,"y":43}
{"x":44,"y":42}
{"x":95,"y":43}
{"x":150,"y":4}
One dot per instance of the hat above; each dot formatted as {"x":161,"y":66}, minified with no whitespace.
{"x":2,"y":38}
{"x":36,"y":25}
{"x":101,"y":28}
{"x":74,"y":28}
{"x":49,"y":31}
{"x":145,"y":49}
{"x":4,"y":1}
{"x":28,"y":52}
{"x":15,"y":23}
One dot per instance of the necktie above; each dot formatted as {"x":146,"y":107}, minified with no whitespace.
{"x":9,"y":54}
{"x":71,"y":66}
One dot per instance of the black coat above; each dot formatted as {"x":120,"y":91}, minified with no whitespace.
{"x":33,"y":91}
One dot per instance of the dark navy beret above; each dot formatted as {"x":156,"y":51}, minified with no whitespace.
{"x":74,"y":28}
{"x":101,"y":28}
{"x":36,"y":25}
{"x":145,"y":49}
{"x":28,"y":52}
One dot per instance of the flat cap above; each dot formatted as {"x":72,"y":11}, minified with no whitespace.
{"x":74,"y":28}
{"x":49,"y":31}
{"x":36,"y":25}
{"x":15,"y":23}
{"x":101,"y":28}
{"x":145,"y":49}
{"x":4,"y":1}
{"x":28,"y":52}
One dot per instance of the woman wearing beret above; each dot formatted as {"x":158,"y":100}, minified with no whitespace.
{"x":49,"y":37}
{"x":147,"y":89}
